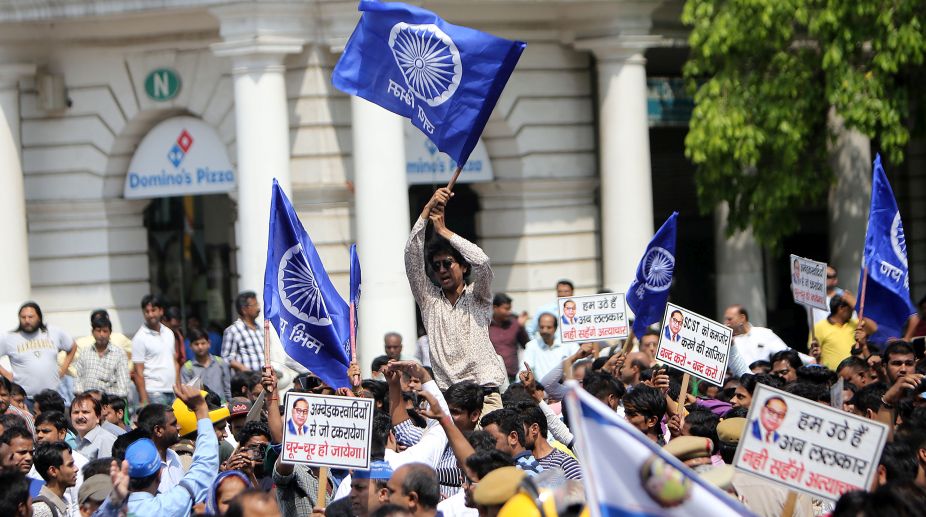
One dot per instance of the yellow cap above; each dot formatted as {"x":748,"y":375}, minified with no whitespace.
{"x":689,"y":447}
{"x":730,"y":430}
{"x":186,"y":419}
{"x":498,"y":486}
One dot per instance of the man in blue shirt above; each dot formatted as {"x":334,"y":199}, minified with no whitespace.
{"x":142,"y":465}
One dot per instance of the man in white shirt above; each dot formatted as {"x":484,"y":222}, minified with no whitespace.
{"x":544,"y":353}
{"x":752,"y":343}
{"x":154,"y":356}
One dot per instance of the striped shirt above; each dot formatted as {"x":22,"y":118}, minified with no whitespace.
{"x":560,"y":460}
{"x":449,"y":474}
{"x":243,"y":344}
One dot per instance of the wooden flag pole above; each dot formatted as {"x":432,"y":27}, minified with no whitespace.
{"x":322,"y":496}
{"x":266,"y":342}
{"x":456,"y":175}
{"x":861,"y":305}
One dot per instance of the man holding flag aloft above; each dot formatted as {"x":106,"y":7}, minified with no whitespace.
{"x":457,"y":311}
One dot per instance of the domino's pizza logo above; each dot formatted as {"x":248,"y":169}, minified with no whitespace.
{"x":180,"y":148}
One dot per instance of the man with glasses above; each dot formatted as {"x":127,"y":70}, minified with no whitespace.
{"x":242,"y":342}
{"x":296,"y":424}
{"x":676,"y":319}
{"x":456,"y":303}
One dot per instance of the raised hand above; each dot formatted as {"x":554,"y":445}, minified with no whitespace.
{"x":434,"y":410}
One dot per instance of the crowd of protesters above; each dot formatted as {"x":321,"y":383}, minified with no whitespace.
{"x":168,"y":425}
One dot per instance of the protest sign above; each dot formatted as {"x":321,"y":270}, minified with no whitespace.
{"x":694,"y":344}
{"x":327,"y":430}
{"x":808,"y":446}
{"x":808,"y":282}
{"x":588,"y":318}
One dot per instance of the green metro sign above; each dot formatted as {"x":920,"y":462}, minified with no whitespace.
{"x":162,"y":84}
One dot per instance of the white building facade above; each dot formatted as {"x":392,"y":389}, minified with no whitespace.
{"x":578,"y":163}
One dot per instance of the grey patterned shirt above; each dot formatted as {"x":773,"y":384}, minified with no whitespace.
{"x":458,"y":335}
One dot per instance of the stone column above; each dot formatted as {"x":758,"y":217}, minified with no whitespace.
{"x":849,"y":200}
{"x":257,"y":37}
{"x":381,"y":208}
{"x":626,"y":180}
{"x":14,"y":261}
{"x":740,"y":274}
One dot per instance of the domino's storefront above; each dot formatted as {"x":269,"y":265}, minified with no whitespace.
{"x":183,"y":168}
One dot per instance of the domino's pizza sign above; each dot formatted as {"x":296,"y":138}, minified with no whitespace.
{"x":181,"y":156}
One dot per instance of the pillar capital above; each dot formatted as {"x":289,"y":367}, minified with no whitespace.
{"x":258,"y":36}
{"x":11,"y":73}
{"x":624,"y":49}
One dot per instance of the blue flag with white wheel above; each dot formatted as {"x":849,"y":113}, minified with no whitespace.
{"x":309,"y":315}
{"x":649,"y":292}
{"x":887,"y":295}
{"x":445,"y":78}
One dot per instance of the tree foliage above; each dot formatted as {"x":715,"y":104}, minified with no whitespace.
{"x":765,"y":75}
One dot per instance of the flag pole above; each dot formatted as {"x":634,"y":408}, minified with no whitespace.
{"x":266,"y":342}
{"x":861,"y":306}
{"x":355,"y":379}
{"x":456,"y":175}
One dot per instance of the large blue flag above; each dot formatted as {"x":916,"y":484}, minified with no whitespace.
{"x":309,"y":315}
{"x":887,"y":295}
{"x":635,"y":477}
{"x":649,"y":292}
{"x":443,"y":77}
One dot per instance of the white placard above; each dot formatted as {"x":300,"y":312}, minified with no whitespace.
{"x":593,"y":317}
{"x":181,"y":156}
{"x":808,"y":446}
{"x":808,"y":282}
{"x":327,"y":430}
{"x":695,"y":344}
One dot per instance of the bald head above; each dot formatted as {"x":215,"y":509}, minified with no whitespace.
{"x":735,"y":316}
{"x":635,"y":363}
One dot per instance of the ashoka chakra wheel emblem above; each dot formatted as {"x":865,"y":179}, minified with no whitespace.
{"x":658,"y":264}
{"x":299,"y":292}
{"x":898,"y":240}
{"x":428,"y":59}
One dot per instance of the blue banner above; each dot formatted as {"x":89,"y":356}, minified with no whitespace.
{"x":443,"y":77}
{"x":887,"y":295}
{"x":649,"y":292}
{"x":311,"y":318}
